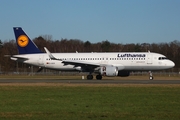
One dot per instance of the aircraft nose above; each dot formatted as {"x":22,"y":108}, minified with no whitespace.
{"x":171,"y":64}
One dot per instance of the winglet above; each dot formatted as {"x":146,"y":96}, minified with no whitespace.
{"x":49,"y":54}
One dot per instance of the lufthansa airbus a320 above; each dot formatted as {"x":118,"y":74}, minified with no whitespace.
{"x":103,"y":64}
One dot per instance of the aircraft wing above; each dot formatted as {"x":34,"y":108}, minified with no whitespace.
{"x":80,"y":63}
{"x":74,"y":62}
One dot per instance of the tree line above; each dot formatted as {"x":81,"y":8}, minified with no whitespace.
{"x":171,"y":50}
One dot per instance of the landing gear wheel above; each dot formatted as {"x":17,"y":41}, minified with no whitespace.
{"x":98,"y":77}
{"x":89,"y":77}
{"x":150,"y":75}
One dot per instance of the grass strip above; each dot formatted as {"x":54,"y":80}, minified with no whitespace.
{"x":109,"y":102}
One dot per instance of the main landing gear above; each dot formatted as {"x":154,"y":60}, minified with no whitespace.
{"x":90,"y":77}
{"x":150,"y":75}
{"x":98,"y":77}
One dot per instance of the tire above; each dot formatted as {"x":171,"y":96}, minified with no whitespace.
{"x":150,"y":77}
{"x":89,"y":77}
{"x":99,"y":77}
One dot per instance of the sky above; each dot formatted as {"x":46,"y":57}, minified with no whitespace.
{"x":118,"y":21}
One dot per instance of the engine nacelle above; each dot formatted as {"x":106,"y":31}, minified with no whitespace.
{"x":81,"y":69}
{"x":123,"y":73}
{"x":109,"y":71}
{"x":78,"y":68}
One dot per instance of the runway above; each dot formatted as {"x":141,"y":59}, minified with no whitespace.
{"x":90,"y":81}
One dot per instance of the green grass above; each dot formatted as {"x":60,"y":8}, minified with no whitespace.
{"x":97,"y":102}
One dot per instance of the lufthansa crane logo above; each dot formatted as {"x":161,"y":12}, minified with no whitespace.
{"x":23,"y":40}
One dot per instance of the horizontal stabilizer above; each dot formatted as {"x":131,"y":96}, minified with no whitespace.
{"x":19,"y":58}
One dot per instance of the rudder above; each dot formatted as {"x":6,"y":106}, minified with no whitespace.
{"x":24,"y":43}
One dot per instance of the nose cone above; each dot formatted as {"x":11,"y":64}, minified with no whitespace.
{"x":171,"y":64}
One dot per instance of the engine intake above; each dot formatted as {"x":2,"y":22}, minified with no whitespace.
{"x":109,"y":71}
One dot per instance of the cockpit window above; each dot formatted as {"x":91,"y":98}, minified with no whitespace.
{"x":162,"y":58}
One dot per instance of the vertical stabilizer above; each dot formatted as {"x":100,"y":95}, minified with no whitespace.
{"x":24,"y":43}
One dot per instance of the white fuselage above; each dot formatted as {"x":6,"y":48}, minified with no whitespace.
{"x":124,"y":61}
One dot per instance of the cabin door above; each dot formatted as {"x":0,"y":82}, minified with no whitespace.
{"x":41,"y":61}
{"x":149,"y":59}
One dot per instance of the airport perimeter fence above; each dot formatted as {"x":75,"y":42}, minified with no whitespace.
{"x":56,"y":73}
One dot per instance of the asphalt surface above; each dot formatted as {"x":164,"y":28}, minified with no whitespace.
{"x":90,"y":81}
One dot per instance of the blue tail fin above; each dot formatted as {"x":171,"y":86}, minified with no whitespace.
{"x":24,"y":43}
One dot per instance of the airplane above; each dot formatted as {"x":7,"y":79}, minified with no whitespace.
{"x":102,"y":64}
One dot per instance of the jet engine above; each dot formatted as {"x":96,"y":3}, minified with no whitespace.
{"x":109,"y":71}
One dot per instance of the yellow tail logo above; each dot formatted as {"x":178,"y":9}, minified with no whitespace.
{"x":23,"y":40}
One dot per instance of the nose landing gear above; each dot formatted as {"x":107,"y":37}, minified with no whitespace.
{"x":150,"y":75}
